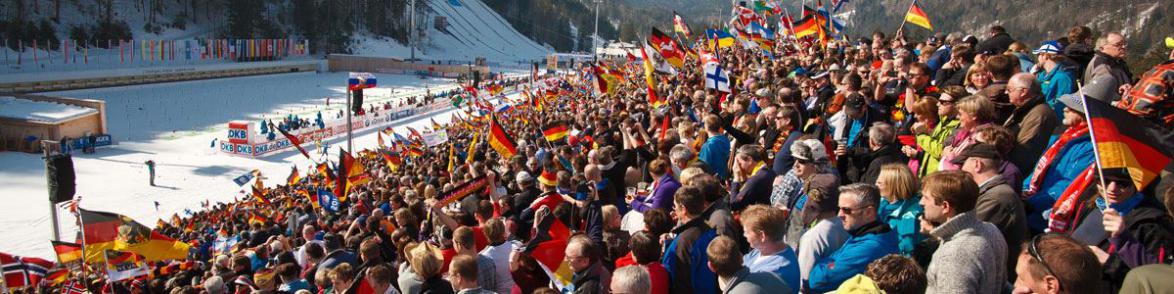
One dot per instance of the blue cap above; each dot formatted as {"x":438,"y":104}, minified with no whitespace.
{"x":1050,"y":47}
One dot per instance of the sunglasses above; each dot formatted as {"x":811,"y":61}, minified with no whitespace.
{"x":850,"y":210}
{"x":1033,"y":249}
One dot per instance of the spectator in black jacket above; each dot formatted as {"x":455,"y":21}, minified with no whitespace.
{"x":997,"y":43}
{"x":1079,"y":48}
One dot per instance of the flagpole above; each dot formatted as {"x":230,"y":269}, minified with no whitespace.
{"x":903,"y":20}
{"x":1092,"y":135}
{"x":81,"y":225}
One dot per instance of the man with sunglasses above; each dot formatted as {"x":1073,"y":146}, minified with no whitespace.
{"x":870,"y":239}
{"x":972,"y":255}
{"x":1126,"y":228}
{"x":1055,"y":263}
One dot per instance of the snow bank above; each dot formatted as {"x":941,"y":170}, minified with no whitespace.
{"x":47,"y":112}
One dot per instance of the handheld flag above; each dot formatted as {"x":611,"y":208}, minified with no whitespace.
{"x":549,"y":247}
{"x":108,"y":231}
{"x":123,"y":265}
{"x":500,"y":140}
{"x":1127,"y":144}
{"x":245,"y":178}
{"x":716,"y":78}
{"x":293,"y":140}
{"x":294,"y":177}
{"x":67,"y":252}
{"x":719,"y":38}
{"x":555,"y":131}
{"x":679,"y":25}
{"x":667,"y":48}
{"x":918,"y":17}
{"x":259,"y":194}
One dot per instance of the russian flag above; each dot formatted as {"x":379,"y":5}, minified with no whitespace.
{"x":360,"y":80}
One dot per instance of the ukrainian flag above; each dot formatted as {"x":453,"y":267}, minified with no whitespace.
{"x":722,"y":38}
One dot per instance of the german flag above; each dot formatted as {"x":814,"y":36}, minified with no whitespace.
{"x":294,"y":177}
{"x":549,"y":248}
{"x":108,"y":231}
{"x":57,"y":276}
{"x":501,"y":140}
{"x":415,"y":151}
{"x":259,"y":194}
{"x":1128,"y":144}
{"x":917,"y":16}
{"x":667,"y":48}
{"x":67,"y":252}
{"x":807,"y":26}
{"x":257,"y":219}
{"x":379,"y":139}
{"x":350,"y":174}
{"x":313,"y":198}
{"x":555,"y":131}
{"x":327,"y":175}
{"x":392,"y":160}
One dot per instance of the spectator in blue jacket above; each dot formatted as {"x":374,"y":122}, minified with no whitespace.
{"x":899,"y":207}
{"x":762,"y":229}
{"x":685,"y":257}
{"x":870,"y":239}
{"x":1066,"y":157}
{"x":716,"y":150}
{"x":1056,"y":74}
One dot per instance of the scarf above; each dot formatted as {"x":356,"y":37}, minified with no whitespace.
{"x":1041,"y":167}
{"x":1066,"y":209}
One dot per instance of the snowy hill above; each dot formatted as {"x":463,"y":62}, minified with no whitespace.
{"x":472,"y":30}
{"x":448,"y":30}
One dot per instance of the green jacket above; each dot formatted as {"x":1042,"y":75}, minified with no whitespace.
{"x":933,"y":143}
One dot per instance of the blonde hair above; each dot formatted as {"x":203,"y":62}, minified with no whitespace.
{"x":974,"y":69}
{"x":900,"y":184}
{"x":981,"y":107}
{"x":425,"y":260}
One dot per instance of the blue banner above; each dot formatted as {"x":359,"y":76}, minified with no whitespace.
{"x":327,"y":200}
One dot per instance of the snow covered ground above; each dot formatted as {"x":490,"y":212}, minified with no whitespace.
{"x":174,"y":125}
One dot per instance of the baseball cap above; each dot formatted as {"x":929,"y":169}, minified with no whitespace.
{"x":981,"y":150}
{"x":809,"y":150}
{"x":1049,"y":47}
{"x":854,"y":102}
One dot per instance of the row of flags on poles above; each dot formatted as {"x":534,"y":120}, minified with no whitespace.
{"x":155,"y":50}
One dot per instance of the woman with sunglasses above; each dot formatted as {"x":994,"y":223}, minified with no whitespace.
{"x":936,"y":121}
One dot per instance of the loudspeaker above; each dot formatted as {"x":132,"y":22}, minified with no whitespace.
{"x":59,"y":170}
{"x":357,"y":103}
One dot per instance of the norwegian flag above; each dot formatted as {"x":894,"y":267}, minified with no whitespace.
{"x":72,"y":287}
{"x":23,"y":271}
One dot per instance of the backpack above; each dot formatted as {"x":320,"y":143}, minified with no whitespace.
{"x":1151,"y":98}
